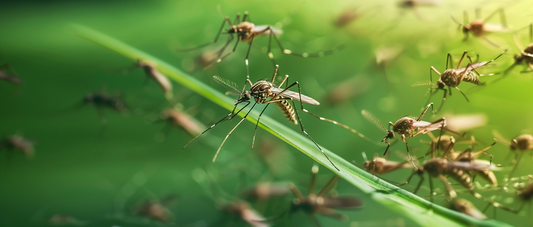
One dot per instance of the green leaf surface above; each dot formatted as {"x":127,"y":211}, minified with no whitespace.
{"x":397,"y":199}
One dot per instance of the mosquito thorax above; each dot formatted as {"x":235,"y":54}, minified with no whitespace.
{"x":476,"y":27}
{"x":435,"y":166}
{"x":245,"y":31}
{"x":522,"y":142}
{"x":404,"y":126}
{"x":449,"y":78}
{"x":261,"y":90}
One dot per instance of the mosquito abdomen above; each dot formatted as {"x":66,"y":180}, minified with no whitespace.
{"x":287,"y":110}
{"x":471,"y":76}
{"x":463,"y":178}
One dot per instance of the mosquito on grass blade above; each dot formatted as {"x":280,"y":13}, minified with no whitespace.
{"x":266,"y":92}
{"x":247,"y":31}
{"x":452,"y":77}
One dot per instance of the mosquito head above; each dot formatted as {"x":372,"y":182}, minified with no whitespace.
{"x":245,"y":97}
{"x":407,"y":4}
{"x":233,"y":29}
{"x":518,"y":58}
{"x":466,"y":28}
{"x":440,"y":84}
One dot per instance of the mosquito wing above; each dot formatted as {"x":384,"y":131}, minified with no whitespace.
{"x":227,"y":83}
{"x":295,"y":96}
{"x":343,"y":202}
{"x":261,"y":28}
{"x":372,"y":119}
{"x":472,"y":66}
{"x":470,"y":165}
{"x":425,"y":127}
{"x":493,"y":28}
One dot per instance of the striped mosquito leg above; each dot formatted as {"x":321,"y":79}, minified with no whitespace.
{"x":306,"y":55}
{"x":333,"y":121}
{"x":233,"y":129}
{"x":246,"y":58}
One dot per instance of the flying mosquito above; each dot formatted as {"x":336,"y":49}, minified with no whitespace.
{"x":266,"y":92}
{"x":518,"y":145}
{"x":247,"y":31}
{"x":408,"y":127}
{"x":17,"y":143}
{"x":415,"y":4}
{"x":452,"y":77}
{"x":526,"y":54}
{"x":151,"y":72}
{"x":177,"y":118}
{"x":321,"y":203}
{"x":447,"y":144}
{"x":382,"y":166}
{"x":479,"y":27}
{"x":525,"y":194}
{"x":15,"y":79}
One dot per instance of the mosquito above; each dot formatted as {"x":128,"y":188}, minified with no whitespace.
{"x":452,"y":77}
{"x":157,"y":209}
{"x":347,"y":16}
{"x":15,"y":79}
{"x":479,"y":27}
{"x":17,"y":143}
{"x":414,"y":4}
{"x":518,"y":145}
{"x":382,"y":166}
{"x":247,"y":31}
{"x":266,"y":92}
{"x":526,"y":54}
{"x":150,"y":69}
{"x":65,"y":219}
{"x":100,"y":101}
{"x":407,"y":127}
{"x":321,"y":203}
{"x":178,"y":118}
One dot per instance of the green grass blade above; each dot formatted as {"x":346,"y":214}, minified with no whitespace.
{"x":397,"y":199}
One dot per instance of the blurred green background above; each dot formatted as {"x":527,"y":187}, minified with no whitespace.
{"x":100,"y":174}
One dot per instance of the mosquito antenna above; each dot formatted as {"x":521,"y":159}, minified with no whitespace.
{"x":372,"y":119}
{"x":227,"y":83}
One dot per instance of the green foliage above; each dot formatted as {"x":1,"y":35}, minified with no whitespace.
{"x":419,"y":210}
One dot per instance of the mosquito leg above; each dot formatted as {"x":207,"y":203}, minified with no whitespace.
{"x":441,"y":130}
{"x":328,"y":186}
{"x":328,"y":120}
{"x":408,"y":151}
{"x":461,"y":59}
{"x":296,"y":192}
{"x":430,"y":189}
{"x":246,"y":59}
{"x":238,"y":19}
{"x":220,"y":52}
{"x":257,"y":123}
{"x":515,"y":166}
{"x":270,"y":55}
{"x":229,"y":133}
{"x":449,"y":188}
{"x":424,"y":112}
{"x":314,"y":172}
{"x":246,"y":17}
{"x":306,"y":55}
{"x":276,"y":73}
{"x":230,"y":116}
{"x":226,"y":20}
{"x":462,"y":93}
{"x":449,"y":148}
{"x":419,"y":183}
